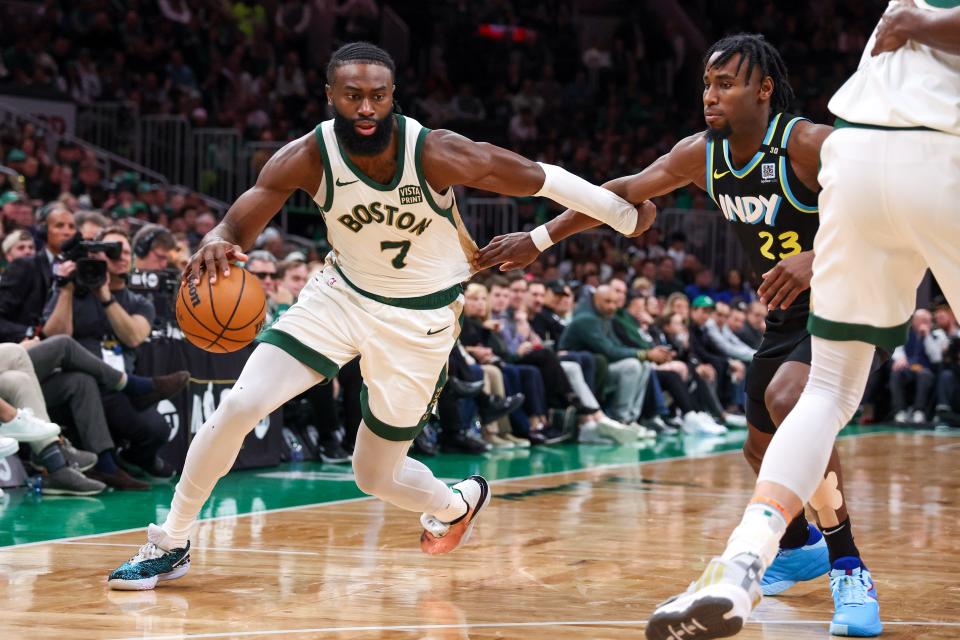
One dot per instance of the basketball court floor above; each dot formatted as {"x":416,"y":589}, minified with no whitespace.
{"x":579,"y":542}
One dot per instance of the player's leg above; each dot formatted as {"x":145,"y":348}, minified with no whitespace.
{"x":404,"y":370}
{"x":270,"y":377}
{"x":865,"y":277}
{"x":280,"y":368}
{"x":773,"y":384}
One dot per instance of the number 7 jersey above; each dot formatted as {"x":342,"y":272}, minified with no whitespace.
{"x":772,"y":211}
{"x":396,"y":240}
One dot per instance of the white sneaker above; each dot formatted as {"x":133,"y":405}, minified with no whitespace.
{"x":443,"y":537}
{"x":616,"y":431}
{"x":902,"y":417}
{"x":495,"y":441}
{"x":8,"y":447}
{"x":691,"y":422}
{"x":735,"y":420}
{"x":590,"y":434}
{"x":919,"y":417}
{"x":642,"y":432}
{"x":26,"y":427}
{"x":517,"y":441}
{"x":715,"y":606}
{"x":709,"y":426}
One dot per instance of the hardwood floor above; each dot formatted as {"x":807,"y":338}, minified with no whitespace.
{"x":585,"y":554}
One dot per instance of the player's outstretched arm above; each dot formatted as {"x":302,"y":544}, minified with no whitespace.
{"x":685,"y":163}
{"x":297,"y":165}
{"x":449,"y":158}
{"x":904,"y":21}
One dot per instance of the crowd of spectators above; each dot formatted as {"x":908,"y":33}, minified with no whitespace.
{"x":607,"y":343}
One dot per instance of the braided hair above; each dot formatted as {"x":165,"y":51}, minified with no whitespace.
{"x":757,"y":52}
{"x":359,"y":52}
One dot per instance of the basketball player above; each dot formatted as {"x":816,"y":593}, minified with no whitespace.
{"x":891,"y":183}
{"x":390,"y":292}
{"x":759,"y":164}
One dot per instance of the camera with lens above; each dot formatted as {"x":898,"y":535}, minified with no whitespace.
{"x":161,"y":286}
{"x":91,"y":273}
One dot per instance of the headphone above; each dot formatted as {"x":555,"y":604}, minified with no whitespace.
{"x":142,"y":247}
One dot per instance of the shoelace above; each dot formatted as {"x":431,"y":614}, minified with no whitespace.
{"x":849,"y":590}
{"x":148,"y":551}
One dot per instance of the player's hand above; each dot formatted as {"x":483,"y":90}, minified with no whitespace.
{"x":512,"y":251}
{"x":895,"y":26}
{"x":782,"y":284}
{"x":900,"y":363}
{"x":213,"y":257}
{"x":646,"y":216}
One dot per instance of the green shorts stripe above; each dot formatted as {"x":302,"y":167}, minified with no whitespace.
{"x":390,"y":432}
{"x":884,"y":337}
{"x":436,"y":300}
{"x":313,"y":359}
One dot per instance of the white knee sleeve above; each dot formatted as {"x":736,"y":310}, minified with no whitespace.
{"x":382,"y":468}
{"x":798,"y":455}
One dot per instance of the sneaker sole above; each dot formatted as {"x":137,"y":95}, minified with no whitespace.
{"x":848,"y":631}
{"x":426,"y":539}
{"x":145,"y":584}
{"x":704,"y":617}
{"x":70,"y":492}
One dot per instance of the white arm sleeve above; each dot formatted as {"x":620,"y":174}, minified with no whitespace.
{"x":575,"y":193}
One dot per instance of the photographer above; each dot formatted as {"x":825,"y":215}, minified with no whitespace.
{"x":110,"y":321}
{"x":27,"y":282}
{"x":152,"y":246}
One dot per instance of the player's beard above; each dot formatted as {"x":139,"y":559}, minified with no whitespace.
{"x":361,"y":145}
{"x":719,"y":134}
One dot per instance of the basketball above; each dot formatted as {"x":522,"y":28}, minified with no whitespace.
{"x":222,"y":317}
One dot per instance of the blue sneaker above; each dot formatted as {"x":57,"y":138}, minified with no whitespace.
{"x":791,"y":566}
{"x":856,"y":608}
{"x":152,"y":564}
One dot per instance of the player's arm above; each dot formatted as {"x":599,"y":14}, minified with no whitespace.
{"x":449,"y":159}
{"x":804,"y":146}
{"x":903,"y":22}
{"x":297,"y":165}
{"x":685,"y":163}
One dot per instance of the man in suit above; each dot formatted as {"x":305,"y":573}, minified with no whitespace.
{"x":27,"y":282}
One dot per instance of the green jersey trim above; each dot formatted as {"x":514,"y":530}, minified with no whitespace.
{"x":939,"y":4}
{"x":784,"y":181}
{"x":885,"y":337}
{"x":424,"y":187}
{"x":435,"y":300}
{"x":313,"y":359}
{"x":840,"y":123}
{"x":401,"y":154}
{"x":757,"y":157}
{"x":390,"y":432}
{"x":327,"y":171}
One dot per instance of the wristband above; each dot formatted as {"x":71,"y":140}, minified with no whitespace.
{"x":108,"y":302}
{"x":541,"y":238}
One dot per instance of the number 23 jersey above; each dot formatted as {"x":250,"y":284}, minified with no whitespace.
{"x":772,"y":211}
{"x":396,"y":240}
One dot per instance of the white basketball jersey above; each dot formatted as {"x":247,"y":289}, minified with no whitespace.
{"x":396,"y":240}
{"x":914,"y":86}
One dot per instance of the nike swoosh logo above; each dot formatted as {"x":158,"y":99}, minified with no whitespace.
{"x":716,"y":176}
{"x":431,"y":332}
{"x":343,"y":184}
